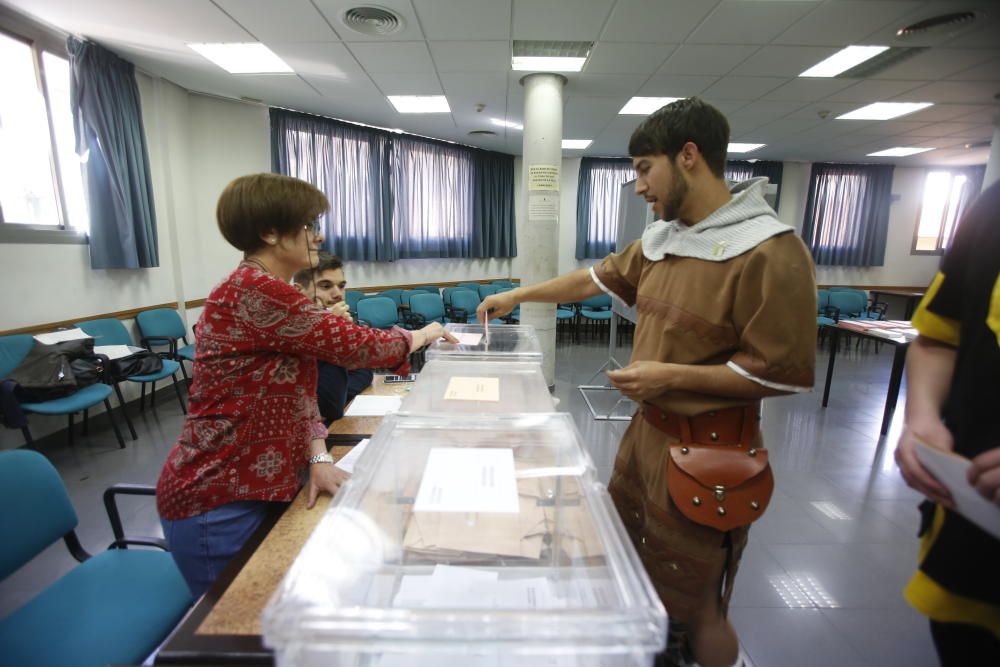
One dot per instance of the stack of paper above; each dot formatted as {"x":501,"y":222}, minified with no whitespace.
{"x":373,"y":406}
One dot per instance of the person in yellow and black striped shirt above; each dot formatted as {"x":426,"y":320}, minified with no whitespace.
{"x":953,"y":403}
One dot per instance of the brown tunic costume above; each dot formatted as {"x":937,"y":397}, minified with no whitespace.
{"x":753,"y":311}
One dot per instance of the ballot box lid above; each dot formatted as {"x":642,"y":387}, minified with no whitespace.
{"x":460,"y":386}
{"x":498,"y":342}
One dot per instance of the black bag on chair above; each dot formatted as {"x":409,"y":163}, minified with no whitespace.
{"x":140,"y":363}
{"x":48,"y":371}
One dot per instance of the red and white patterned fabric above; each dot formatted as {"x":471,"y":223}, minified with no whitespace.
{"x":252,"y":409}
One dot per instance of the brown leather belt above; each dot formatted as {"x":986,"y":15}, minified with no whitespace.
{"x":728,"y":426}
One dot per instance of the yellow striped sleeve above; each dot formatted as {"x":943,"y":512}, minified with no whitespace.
{"x":993,"y":318}
{"x":938,"y":603}
{"x":932,"y":325}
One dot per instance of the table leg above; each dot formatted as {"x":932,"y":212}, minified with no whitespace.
{"x":834,"y":344}
{"x":895,"y":380}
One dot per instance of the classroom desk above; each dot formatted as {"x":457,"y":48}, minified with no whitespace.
{"x":352,"y":429}
{"x":895,"y":375}
{"x":223,"y":628}
{"x":912,"y":299}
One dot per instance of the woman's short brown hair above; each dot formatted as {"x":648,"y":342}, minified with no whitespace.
{"x":254,"y":205}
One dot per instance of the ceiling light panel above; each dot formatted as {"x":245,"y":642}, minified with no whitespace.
{"x":744,"y":148}
{"x":549,"y":56}
{"x":243,"y":58}
{"x":420,"y":103}
{"x":576,"y":144}
{"x":900,"y":151}
{"x":546,"y":64}
{"x":843,"y":60}
{"x":884,"y":110}
{"x":643,"y":106}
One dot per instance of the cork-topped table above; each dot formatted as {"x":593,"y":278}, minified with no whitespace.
{"x":223,"y":628}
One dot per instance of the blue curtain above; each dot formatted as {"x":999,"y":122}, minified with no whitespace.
{"x":597,"y":198}
{"x":107,"y":120}
{"x":349,"y":163}
{"x":847,"y":213}
{"x":396,"y":196}
{"x":741,"y":170}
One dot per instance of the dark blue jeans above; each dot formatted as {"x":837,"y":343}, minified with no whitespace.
{"x":202,"y":545}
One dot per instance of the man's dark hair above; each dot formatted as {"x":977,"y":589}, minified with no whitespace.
{"x":692,"y":119}
{"x":326,"y":262}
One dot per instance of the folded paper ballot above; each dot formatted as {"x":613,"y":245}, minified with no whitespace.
{"x":60,"y":336}
{"x":470,"y":339}
{"x":951,"y":470}
{"x":373,"y":406}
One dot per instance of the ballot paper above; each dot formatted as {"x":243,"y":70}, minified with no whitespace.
{"x":60,"y":336}
{"x":373,"y":406}
{"x":347,"y":462}
{"x":115,"y":351}
{"x":951,"y":469}
{"x":470,"y":339}
{"x":473,"y":479}
{"x":473,"y":389}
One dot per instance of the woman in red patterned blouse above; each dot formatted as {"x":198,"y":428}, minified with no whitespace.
{"x":253,"y":426}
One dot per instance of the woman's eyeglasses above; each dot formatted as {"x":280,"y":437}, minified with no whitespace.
{"x":313,"y":227}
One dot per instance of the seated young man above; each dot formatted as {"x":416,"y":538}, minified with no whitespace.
{"x":336,"y":386}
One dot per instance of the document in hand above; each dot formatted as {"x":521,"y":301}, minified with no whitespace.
{"x":951,"y":470}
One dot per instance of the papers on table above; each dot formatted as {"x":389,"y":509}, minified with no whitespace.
{"x":473,"y":389}
{"x":951,"y":470}
{"x":471,"y":339}
{"x":458,"y":479}
{"x":60,"y":336}
{"x":114,"y":351}
{"x":347,"y":463}
{"x":373,"y":406}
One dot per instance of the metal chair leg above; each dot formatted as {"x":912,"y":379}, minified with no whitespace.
{"x":71,"y":443}
{"x":86,"y":421}
{"x":152,"y":394}
{"x":121,"y":403}
{"x":114,"y":424}
{"x":142,"y":398}
{"x":28,"y":441}
{"x":180,"y":399}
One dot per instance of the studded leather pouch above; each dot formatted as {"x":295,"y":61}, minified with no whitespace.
{"x":720,"y":486}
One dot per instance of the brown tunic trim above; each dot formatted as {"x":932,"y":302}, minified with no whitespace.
{"x":721,"y":335}
{"x":793,"y":374}
{"x":613,"y":282}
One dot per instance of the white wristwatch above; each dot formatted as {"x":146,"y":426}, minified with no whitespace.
{"x":320,"y":458}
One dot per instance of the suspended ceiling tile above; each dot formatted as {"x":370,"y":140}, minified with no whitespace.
{"x":955,"y":112}
{"x":961,"y":92}
{"x":870,"y":90}
{"x":988,"y":70}
{"x":845,"y":22}
{"x":393,"y":57}
{"x":924,"y":10}
{"x":741,"y":22}
{"x":627,"y":58}
{"x":808,"y":90}
{"x":716,"y":59}
{"x":560,"y":19}
{"x":407,"y":84}
{"x":604,"y":85}
{"x":675,"y":85}
{"x":655,"y":20}
{"x":463,"y":19}
{"x":324,"y":58}
{"x":294,"y":21}
{"x":743,"y":87}
{"x":936,"y":63}
{"x":783,"y":60}
{"x":471,"y":56}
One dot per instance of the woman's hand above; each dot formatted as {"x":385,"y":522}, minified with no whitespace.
{"x":341,"y":309}
{"x":984,"y":474}
{"x":323,"y":477}
{"x":496,"y":305}
{"x":429,"y":334}
{"x":931,"y":432}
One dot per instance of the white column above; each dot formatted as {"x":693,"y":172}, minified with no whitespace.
{"x":992,"y":174}
{"x":542,"y":161}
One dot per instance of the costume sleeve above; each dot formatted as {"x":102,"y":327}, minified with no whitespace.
{"x":618,"y":273}
{"x":286,"y":321}
{"x":775,"y":316}
{"x":939,"y":314}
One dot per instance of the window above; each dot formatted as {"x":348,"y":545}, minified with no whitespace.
{"x":599,"y":191}
{"x":946,"y":196}
{"x":41,"y":180}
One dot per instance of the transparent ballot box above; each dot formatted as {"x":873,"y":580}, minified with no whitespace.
{"x":505,"y":342}
{"x":466,"y":542}
{"x":452,"y":386}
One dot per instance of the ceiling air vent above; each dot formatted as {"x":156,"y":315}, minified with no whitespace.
{"x":881,"y":62}
{"x":372,"y":21}
{"x":482,"y":133}
{"x":935,"y":25}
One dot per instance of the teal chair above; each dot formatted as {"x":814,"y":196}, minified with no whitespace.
{"x":447,"y":292}
{"x":503,"y":283}
{"x":463,"y":307}
{"x":109,"y":331}
{"x":487,"y":290}
{"x":596,"y":309}
{"x":163,"y":326}
{"x":424,"y":309}
{"x":431,"y":289}
{"x":351,"y":297}
{"x":473,"y":287}
{"x":13,"y":350}
{"x":395,"y":294}
{"x":115,"y":607}
{"x":407,"y":294}
{"x":378,"y":312}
